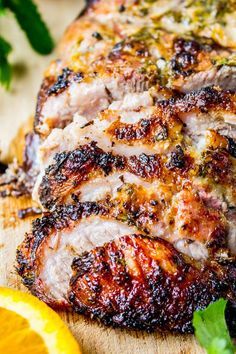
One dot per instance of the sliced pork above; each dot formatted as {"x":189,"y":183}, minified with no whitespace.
{"x":190,"y":121}
{"x":130,"y":281}
{"x":109,"y":52}
{"x":45,"y":257}
{"x":134,"y":148}
{"x":135,"y":282}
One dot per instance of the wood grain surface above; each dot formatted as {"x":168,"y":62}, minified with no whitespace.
{"x":15,"y":108}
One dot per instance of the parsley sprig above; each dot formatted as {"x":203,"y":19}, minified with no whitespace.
{"x":211,"y":329}
{"x":31,"y":22}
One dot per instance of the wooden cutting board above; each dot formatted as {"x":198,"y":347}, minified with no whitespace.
{"x":15,"y":108}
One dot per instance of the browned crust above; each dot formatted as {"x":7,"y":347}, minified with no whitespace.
{"x":197,"y":284}
{"x":77,"y":166}
{"x":156,"y":128}
{"x":203,"y":100}
{"x":62,"y":183}
{"x":53,"y":86}
{"x":139,"y":283}
{"x":73,"y":168}
{"x":161,"y":271}
{"x":28,"y":253}
{"x":70,"y":170}
{"x":131,"y":59}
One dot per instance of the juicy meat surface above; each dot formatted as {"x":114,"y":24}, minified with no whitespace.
{"x":107,"y":53}
{"x":45,"y":257}
{"x":147,"y":127}
{"x":130,"y":281}
{"x":135,"y":282}
{"x":181,"y":189}
{"x":135,"y":189}
{"x":133,"y":160}
{"x":189,"y":121}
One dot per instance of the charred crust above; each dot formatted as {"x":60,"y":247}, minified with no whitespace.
{"x":84,"y":154}
{"x":97,"y":35}
{"x":145,"y":166}
{"x":187,"y":46}
{"x":53,"y":86}
{"x":123,"y":48}
{"x":3,"y":168}
{"x":159,"y":299}
{"x":217,"y":165}
{"x":74,"y":167}
{"x":147,"y":130}
{"x":78,"y":163}
{"x":63,"y":215}
{"x":116,"y":50}
{"x":129,"y":132}
{"x":218,"y":239}
{"x":63,"y":81}
{"x":122,"y":8}
{"x":202,"y":100}
{"x":177,"y":158}
{"x":185,"y":57}
{"x":31,"y":211}
{"x":42,"y":228}
{"x":148,"y":307}
{"x":61,"y":84}
{"x":231,"y":148}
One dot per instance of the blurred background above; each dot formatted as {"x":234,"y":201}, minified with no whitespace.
{"x":18,"y":104}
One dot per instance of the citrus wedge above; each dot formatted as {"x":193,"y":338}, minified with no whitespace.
{"x":29,"y":326}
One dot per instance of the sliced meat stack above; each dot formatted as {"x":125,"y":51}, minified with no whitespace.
{"x":55,"y":241}
{"x":131,"y":281}
{"x":134,"y":149}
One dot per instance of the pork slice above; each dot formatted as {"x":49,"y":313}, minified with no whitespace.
{"x":148,"y":129}
{"x":152,"y":195}
{"x":107,"y":53}
{"x":207,"y":109}
{"x":84,"y":98}
{"x":139,"y":283}
{"x":124,"y":265}
{"x":81,"y":165}
{"x":45,"y":256}
{"x":89,"y":93}
{"x":144,"y":130}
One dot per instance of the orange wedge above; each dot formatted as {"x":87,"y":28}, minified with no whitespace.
{"x":28,"y":326}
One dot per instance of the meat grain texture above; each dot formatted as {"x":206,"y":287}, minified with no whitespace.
{"x":134,"y":165}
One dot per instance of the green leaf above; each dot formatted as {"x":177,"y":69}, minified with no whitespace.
{"x":5,"y":47}
{"x":219,"y":346}
{"x":5,"y":68}
{"x":211,"y":329}
{"x":2,"y":8}
{"x":5,"y":73}
{"x":29,"y":19}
